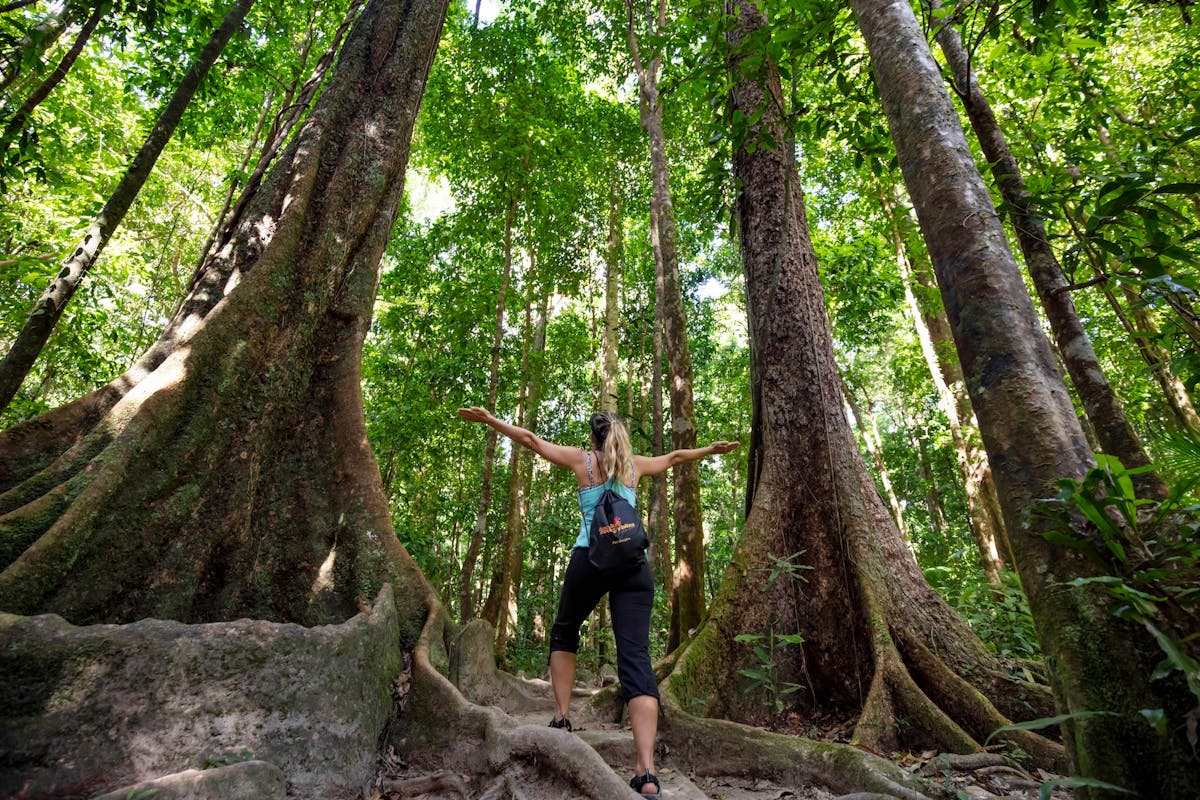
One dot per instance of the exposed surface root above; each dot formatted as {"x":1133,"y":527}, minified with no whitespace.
{"x":437,"y":782}
{"x":441,"y":725}
{"x":712,"y":746}
{"x":895,"y":701}
{"x":971,"y":707}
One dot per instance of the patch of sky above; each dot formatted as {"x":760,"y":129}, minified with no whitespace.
{"x":711,"y":289}
{"x":429,"y":197}
{"x":488,"y":10}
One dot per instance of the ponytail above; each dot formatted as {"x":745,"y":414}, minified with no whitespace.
{"x":616,"y":452}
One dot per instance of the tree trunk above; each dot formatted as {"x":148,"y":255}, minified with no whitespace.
{"x":522,"y":475}
{"x":252,"y":145}
{"x":294,"y":105}
{"x":227,"y":474}
{"x":870,"y":622}
{"x":933,"y":500}
{"x":1027,"y":421}
{"x":612,"y":271}
{"x":1145,"y":334}
{"x":514,"y":523}
{"x":688,"y":598}
{"x":16,"y":123}
{"x":49,"y":307}
{"x":658,"y":516}
{"x":1100,"y":402}
{"x":466,"y":588}
{"x":33,"y":45}
{"x":937,"y":343}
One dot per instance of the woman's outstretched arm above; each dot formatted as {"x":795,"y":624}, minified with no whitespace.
{"x":653,"y":465}
{"x":569,"y":457}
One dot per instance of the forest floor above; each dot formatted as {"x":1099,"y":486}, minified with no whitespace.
{"x":954,"y":777}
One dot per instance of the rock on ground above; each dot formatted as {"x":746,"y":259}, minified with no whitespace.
{"x":85,"y":710}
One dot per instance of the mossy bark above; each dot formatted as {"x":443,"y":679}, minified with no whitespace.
{"x":854,"y":591}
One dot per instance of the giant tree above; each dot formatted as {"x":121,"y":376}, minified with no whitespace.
{"x":1099,"y":671}
{"x":244,"y":419}
{"x":821,"y":574}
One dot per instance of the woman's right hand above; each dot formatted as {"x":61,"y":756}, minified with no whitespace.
{"x":475,"y":414}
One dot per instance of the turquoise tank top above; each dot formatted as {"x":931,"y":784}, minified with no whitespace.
{"x":587,"y":506}
{"x":589,"y":495}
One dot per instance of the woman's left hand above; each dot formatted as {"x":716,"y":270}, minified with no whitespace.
{"x":724,"y":447}
{"x":475,"y":414}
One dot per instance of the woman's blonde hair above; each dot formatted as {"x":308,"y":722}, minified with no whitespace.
{"x":616,"y":453}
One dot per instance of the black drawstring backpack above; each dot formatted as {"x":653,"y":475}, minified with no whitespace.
{"x":617,"y":541}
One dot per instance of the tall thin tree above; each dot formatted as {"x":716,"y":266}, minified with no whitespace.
{"x":687,"y":608}
{"x":1099,"y":399}
{"x":16,"y":123}
{"x":49,"y":307}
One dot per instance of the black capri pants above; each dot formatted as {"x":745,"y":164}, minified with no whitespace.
{"x":630,"y":600}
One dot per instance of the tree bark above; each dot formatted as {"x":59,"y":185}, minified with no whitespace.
{"x":687,"y":608}
{"x":466,"y":588}
{"x":49,"y":307}
{"x":252,"y":145}
{"x":294,"y":105}
{"x":870,"y":622}
{"x":1027,"y":421}
{"x":658,"y":516}
{"x":1100,"y":403}
{"x":16,"y":123}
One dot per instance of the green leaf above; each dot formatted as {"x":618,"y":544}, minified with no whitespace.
{"x":1046,"y":722}
{"x":1156,"y":718}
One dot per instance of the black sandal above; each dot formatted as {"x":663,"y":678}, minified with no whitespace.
{"x":561,"y":723}
{"x":638,"y":781}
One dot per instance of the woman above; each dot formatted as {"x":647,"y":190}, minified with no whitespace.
{"x":630,"y":597}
